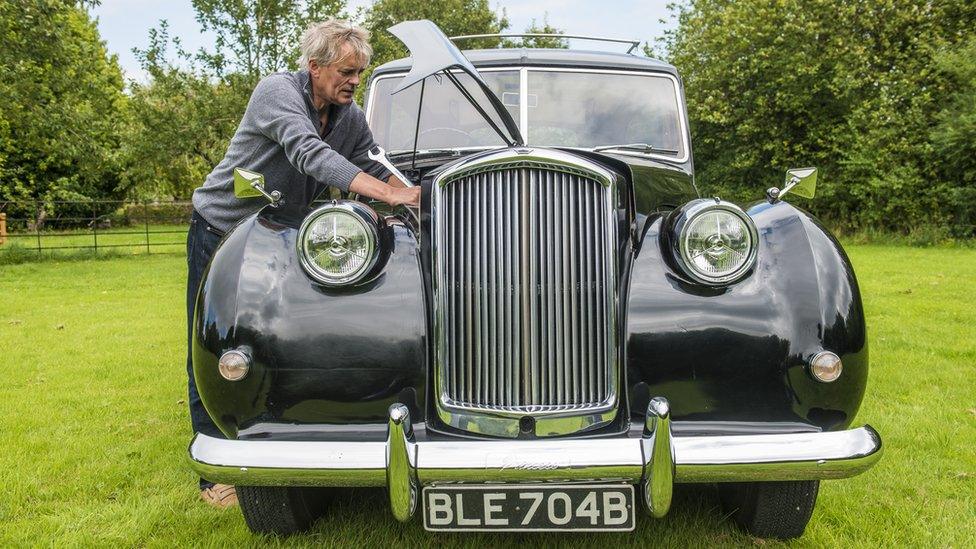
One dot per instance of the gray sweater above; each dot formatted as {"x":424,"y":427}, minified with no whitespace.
{"x":280,"y":138}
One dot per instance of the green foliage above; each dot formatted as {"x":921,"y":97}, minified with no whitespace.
{"x":954,"y":135}
{"x":539,"y":41}
{"x":256,"y":38}
{"x":61,"y":106}
{"x":153,"y":213}
{"x":181,"y":121}
{"x":184,"y":117}
{"x":849,"y":87}
{"x":454,"y":17}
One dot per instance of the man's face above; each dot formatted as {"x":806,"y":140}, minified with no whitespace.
{"x":336,"y":83}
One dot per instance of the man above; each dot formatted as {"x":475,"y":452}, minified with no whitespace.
{"x":303,"y":132}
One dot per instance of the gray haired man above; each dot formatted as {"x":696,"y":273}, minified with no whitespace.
{"x":303,"y":132}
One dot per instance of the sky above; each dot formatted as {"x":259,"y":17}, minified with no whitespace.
{"x":125,"y":24}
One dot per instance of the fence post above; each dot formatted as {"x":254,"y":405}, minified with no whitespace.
{"x":37,"y":225}
{"x":95,"y":225}
{"x":145,"y":217}
{"x":3,"y":228}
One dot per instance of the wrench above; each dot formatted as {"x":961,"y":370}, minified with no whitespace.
{"x":377,"y":154}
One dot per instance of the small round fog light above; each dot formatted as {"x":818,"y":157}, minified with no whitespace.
{"x":826,"y":367}
{"x":233,"y":365}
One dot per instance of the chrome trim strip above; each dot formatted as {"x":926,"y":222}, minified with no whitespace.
{"x":797,"y":456}
{"x":526,"y":157}
{"x":289,"y":463}
{"x":634,"y":44}
{"x":401,"y":463}
{"x":523,"y":109}
{"x":524,"y":103}
{"x":404,"y":465}
{"x":659,"y":458}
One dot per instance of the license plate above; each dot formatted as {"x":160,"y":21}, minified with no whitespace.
{"x":535,"y":508}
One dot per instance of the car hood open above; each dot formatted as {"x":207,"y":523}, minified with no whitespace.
{"x":432,"y":52}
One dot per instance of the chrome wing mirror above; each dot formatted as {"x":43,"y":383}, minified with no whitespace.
{"x":248,"y":184}
{"x":799,"y":181}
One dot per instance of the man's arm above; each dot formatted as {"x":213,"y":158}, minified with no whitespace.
{"x":368,"y":185}
{"x":278,"y":111}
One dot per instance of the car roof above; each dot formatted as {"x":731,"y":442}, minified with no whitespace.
{"x":507,"y":57}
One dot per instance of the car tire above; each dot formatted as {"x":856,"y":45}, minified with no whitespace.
{"x":280,"y":510}
{"x":771,"y":509}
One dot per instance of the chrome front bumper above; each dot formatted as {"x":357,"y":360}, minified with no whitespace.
{"x":655,"y":461}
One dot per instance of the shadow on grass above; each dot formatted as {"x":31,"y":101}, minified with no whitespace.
{"x":362,"y":517}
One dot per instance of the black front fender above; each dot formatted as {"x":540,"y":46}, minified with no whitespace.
{"x":735,"y":358}
{"x":320,"y":355}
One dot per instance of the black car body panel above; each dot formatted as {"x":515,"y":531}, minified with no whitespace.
{"x":322,"y":356}
{"x":729,"y":358}
{"x":739,"y":354}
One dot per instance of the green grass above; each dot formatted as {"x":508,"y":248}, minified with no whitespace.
{"x":94,"y":427}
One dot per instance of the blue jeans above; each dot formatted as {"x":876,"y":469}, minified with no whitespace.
{"x":201,"y":242}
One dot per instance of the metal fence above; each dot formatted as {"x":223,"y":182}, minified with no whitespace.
{"x":63,"y":226}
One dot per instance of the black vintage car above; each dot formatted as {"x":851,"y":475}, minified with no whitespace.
{"x":563,"y":331}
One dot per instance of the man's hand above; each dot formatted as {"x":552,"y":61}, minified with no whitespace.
{"x":371,"y":187}
{"x":407,"y":196}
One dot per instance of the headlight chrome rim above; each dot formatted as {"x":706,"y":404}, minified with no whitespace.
{"x":234,"y":365}
{"x":692,"y":212}
{"x":826,"y":367}
{"x":370,"y":222}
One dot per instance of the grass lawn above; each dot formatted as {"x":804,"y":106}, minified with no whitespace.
{"x":94,"y":427}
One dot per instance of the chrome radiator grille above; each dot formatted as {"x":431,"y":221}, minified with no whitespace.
{"x":525,"y":290}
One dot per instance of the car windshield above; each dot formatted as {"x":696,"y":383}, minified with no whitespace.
{"x":565,"y":108}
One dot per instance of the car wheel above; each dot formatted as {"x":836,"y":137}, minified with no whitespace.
{"x":279,"y":509}
{"x":771,"y":509}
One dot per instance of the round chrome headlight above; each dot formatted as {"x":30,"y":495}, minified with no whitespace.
{"x":338,"y":243}
{"x":716,"y":241}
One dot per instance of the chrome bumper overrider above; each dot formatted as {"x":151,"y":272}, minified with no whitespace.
{"x":656,"y":461}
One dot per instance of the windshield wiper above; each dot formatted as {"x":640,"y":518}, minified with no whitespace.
{"x":424,"y":152}
{"x":640,"y":147}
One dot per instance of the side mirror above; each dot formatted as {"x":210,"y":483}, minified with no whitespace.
{"x":799,"y":181}
{"x":248,"y":184}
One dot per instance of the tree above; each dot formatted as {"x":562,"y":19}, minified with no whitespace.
{"x":954,"y":134}
{"x":454,"y":17}
{"x":539,"y":41}
{"x":61,"y":106}
{"x":181,"y":123}
{"x":184,"y":118}
{"x":847,"y":86}
{"x":258,"y":37}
